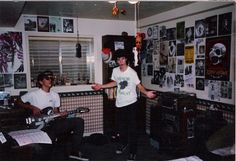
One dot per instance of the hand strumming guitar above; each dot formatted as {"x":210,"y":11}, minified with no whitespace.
{"x":35,"y":110}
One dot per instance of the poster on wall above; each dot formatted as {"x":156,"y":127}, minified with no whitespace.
{"x":180,"y":26}
{"x":226,"y":90}
{"x":189,"y":76}
{"x":170,"y":80}
{"x":214,"y":90}
{"x":156,"y":55}
{"x":171,"y":67}
{"x":200,"y":28}
{"x":225,"y":23}
{"x":180,"y":65}
{"x":30,"y":23}
{"x":164,"y":51}
{"x":171,"y":34}
{"x":211,"y":26}
{"x":179,"y":80}
{"x":162,"y":76}
{"x":156,"y":79}
{"x":119,"y":45}
{"x":218,"y":58}
{"x":189,"y":35}
{"x":163,"y":33}
{"x":149,"y":33}
{"x":172,"y":48}
{"x":11,"y":52}
{"x":200,"y":67}
{"x":55,"y":24}
{"x":189,"y":54}
{"x":200,"y":85}
{"x":156,"y":33}
{"x":180,"y":48}
{"x":8,"y":80}
{"x":43,"y":24}
{"x":200,"y":47}
{"x":68,"y":25}
{"x":20,"y":81}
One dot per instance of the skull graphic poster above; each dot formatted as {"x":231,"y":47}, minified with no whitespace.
{"x":218,"y":58}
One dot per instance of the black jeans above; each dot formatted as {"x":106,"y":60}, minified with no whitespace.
{"x":127,"y":126}
{"x":69,"y":127}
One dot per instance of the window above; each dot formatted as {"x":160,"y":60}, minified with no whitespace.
{"x":59,"y":56}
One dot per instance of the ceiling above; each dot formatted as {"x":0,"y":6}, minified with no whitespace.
{"x":10,"y":11}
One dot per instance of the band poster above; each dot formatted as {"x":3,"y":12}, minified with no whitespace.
{"x":218,"y":58}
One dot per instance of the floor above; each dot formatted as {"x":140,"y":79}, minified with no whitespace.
{"x":102,"y":148}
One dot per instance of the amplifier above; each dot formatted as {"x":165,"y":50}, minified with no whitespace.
{"x":178,"y":101}
{"x":173,"y":121}
{"x":13,"y":119}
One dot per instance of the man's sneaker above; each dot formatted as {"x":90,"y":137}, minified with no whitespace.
{"x":78,"y":156}
{"x":121,"y":149}
{"x":131,"y":157}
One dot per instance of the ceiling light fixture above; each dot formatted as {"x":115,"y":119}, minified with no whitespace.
{"x":112,"y":1}
{"x":133,"y":2}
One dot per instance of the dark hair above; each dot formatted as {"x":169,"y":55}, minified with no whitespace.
{"x":43,"y":75}
{"x":122,"y":53}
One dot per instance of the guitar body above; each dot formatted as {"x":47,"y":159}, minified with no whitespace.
{"x":47,"y":115}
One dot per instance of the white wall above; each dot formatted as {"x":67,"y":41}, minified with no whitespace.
{"x":189,"y":14}
{"x":92,"y":28}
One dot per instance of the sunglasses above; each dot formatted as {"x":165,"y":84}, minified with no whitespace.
{"x":49,"y":78}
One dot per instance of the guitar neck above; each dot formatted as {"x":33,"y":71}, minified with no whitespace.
{"x":71,"y":112}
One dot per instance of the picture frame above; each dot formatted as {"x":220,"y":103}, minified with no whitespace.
{"x":30,"y":23}
{"x":43,"y":24}
{"x":68,"y":25}
{"x":20,"y":81}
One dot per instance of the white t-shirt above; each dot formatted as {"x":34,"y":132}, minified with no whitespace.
{"x":126,"y":86}
{"x":42,"y":99}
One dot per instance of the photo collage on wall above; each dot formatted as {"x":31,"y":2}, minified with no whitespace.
{"x":11,"y":59}
{"x":189,"y":56}
{"x":49,"y":24}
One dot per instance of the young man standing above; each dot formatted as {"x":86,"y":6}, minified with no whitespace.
{"x":42,"y":98}
{"x":126,"y":80}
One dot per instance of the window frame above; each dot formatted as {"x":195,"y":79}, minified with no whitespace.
{"x":60,"y":39}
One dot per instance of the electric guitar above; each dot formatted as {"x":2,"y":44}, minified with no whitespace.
{"x":48,"y":115}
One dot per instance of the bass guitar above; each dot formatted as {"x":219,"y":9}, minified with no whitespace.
{"x":47,"y":115}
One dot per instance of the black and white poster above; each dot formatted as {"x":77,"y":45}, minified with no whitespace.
{"x":211,"y":26}
{"x":200,"y":28}
{"x":200,"y":85}
{"x":68,"y":26}
{"x":180,"y":30}
{"x":200,"y":67}
{"x":225,"y":22}
{"x":171,"y":34}
{"x":200,"y":47}
{"x":30,"y":23}
{"x":43,"y":24}
{"x":20,"y":81}
{"x":189,"y":35}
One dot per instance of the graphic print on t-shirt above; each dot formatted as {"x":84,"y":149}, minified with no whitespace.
{"x":123,"y":88}
{"x":123,"y":84}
